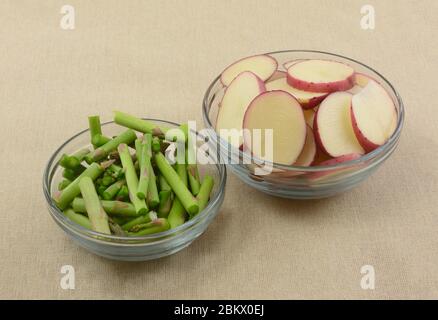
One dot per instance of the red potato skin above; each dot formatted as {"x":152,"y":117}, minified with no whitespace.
{"x":244,"y":71}
{"x":342,"y":85}
{"x":366,"y":144}
{"x":312,"y":103}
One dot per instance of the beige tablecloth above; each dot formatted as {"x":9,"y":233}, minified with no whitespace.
{"x":156,"y":59}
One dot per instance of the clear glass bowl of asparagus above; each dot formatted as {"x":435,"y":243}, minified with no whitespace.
{"x":127,"y":189}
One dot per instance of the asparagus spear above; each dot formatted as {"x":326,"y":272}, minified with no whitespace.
{"x":156,"y":144}
{"x":63,"y":184}
{"x":126,"y":137}
{"x":116,"y":208}
{"x":152,"y":196}
{"x":177,"y":184}
{"x":131,"y":179}
{"x":77,"y":218}
{"x":72,"y":174}
{"x":139,"y":220}
{"x":137,"y":124}
{"x":74,"y":160}
{"x":107,"y":180}
{"x":99,"y":140}
{"x":115,"y":228}
{"x":94,"y":125}
{"x":155,"y":226}
{"x":113,"y":189}
{"x":145,"y":164}
{"x":67,"y":195}
{"x":177,"y":215}
{"x":204,"y":192}
{"x":120,"y":220}
{"x":116,"y":171}
{"x":165,"y":203}
{"x":164,"y":186}
{"x":123,"y":194}
{"x":193,"y":174}
{"x":96,"y":214}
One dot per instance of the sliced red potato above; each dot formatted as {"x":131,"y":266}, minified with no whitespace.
{"x":320,"y":76}
{"x":290,"y":63}
{"x":308,"y":153}
{"x":262,"y":66}
{"x":277,"y":75}
{"x":308,"y":100}
{"x":309,"y":116}
{"x":334,"y":161}
{"x":280,"y":112}
{"x":237,"y":97}
{"x":333,"y":127}
{"x":373,"y":115}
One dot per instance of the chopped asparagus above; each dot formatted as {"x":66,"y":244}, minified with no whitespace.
{"x":77,"y":218}
{"x":145,"y":163}
{"x":177,"y":184}
{"x":139,"y":220}
{"x":165,"y":203}
{"x":137,"y":124}
{"x":113,"y":189}
{"x":100,"y":153}
{"x":113,"y":208}
{"x":63,"y":184}
{"x":96,"y":214}
{"x":204,"y":192}
{"x":99,"y":140}
{"x":155,"y":226}
{"x":66,"y":196}
{"x":131,"y":179}
{"x":123,"y":194}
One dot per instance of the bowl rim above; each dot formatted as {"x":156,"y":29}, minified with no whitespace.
{"x":113,"y":239}
{"x":366,"y":157}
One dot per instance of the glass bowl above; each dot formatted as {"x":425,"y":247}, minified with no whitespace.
{"x":131,"y":248}
{"x":297,"y":182}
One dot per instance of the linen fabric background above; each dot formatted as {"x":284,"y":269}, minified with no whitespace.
{"x":156,"y":59}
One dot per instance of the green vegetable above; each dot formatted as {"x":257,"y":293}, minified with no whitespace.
{"x":63,"y":184}
{"x":113,"y":208}
{"x":155,"y":226}
{"x":96,"y":214}
{"x":144,"y":156}
{"x":72,"y":174}
{"x":165,"y":203}
{"x":100,"y":153}
{"x":113,"y":189}
{"x":66,"y":196}
{"x":73,"y":161}
{"x":177,"y":184}
{"x":77,"y":218}
{"x":99,"y":140}
{"x":139,"y":220}
{"x":137,"y":124}
{"x":204,"y":192}
{"x":123,"y":194}
{"x":131,"y":179}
